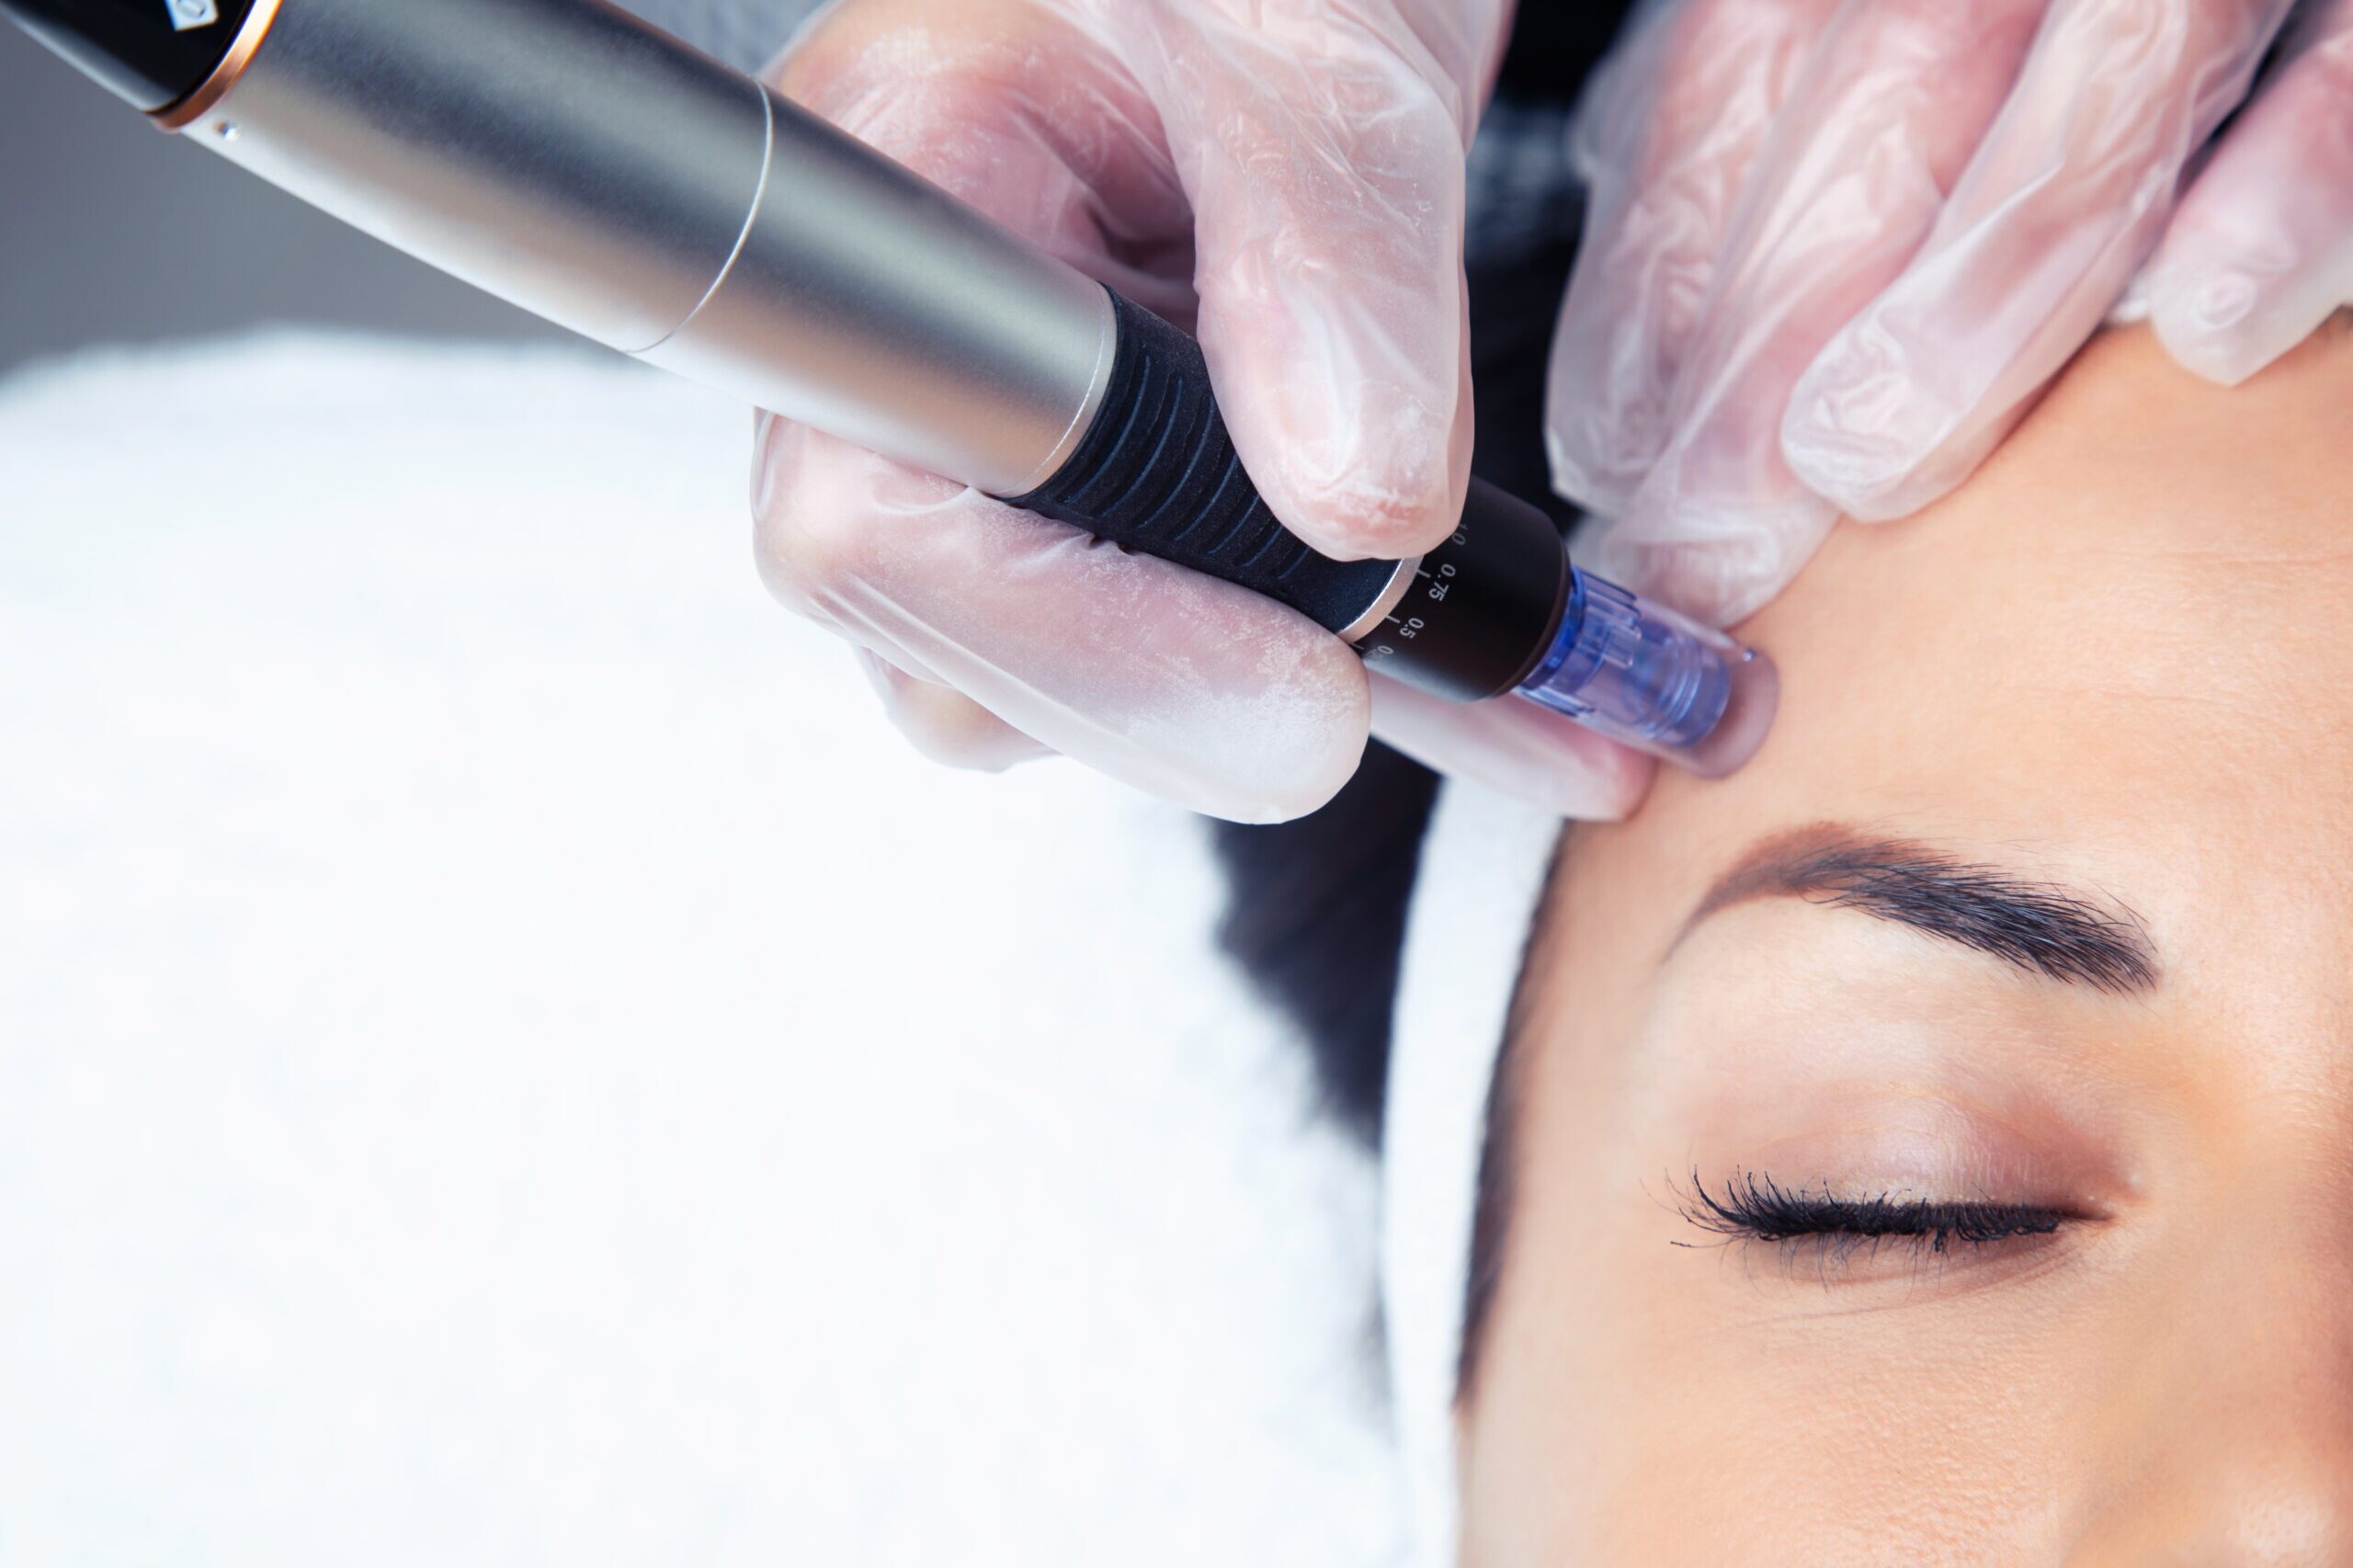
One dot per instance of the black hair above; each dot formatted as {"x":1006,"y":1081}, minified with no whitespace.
{"x":1315,"y":917}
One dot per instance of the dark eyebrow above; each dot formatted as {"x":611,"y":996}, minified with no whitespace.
{"x":2036,"y":925}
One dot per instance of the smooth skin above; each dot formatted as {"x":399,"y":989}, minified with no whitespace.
{"x":2117,"y":663}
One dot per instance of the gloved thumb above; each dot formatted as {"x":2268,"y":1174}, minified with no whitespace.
{"x":1322,"y":149}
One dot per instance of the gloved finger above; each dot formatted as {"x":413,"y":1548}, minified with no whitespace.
{"x":1024,"y":113}
{"x":2261,"y":251}
{"x":1322,"y":149}
{"x":1880,"y":126}
{"x":2132,"y":307}
{"x":1187,"y":687}
{"x":1020,"y":110}
{"x":1516,"y":748}
{"x":943,"y":723}
{"x":1664,"y":140}
{"x":2060,"y":206}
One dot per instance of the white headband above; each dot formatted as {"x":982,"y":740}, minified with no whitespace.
{"x":1482,"y":872}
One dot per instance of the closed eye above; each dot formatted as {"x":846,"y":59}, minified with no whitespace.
{"x":1752,"y":1206}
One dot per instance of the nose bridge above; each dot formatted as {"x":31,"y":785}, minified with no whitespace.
{"x":2231,"y":1442}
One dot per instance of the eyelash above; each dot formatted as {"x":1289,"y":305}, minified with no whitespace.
{"x":1754,"y":1207}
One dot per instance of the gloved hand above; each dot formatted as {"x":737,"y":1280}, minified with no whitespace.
{"x":2261,"y":251}
{"x":1834,"y":251}
{"x":1286,"y":175}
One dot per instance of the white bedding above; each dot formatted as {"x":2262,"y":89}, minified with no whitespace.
{"x":505,"y":1059}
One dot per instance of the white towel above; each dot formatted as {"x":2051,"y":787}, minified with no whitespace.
{"x":504,"y":1057}
{"x":1482,"y":872}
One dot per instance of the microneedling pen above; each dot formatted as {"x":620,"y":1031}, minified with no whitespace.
{"x":570,"y":159}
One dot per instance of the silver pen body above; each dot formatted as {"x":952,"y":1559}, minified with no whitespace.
{"x":567,"y":157}
{"x":560,"y":156}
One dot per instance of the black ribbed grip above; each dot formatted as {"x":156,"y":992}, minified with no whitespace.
{"x":1157,"y":472}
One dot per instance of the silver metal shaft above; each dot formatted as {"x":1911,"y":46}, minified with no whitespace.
{"x":566,"y":157}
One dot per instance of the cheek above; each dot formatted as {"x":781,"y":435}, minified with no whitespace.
{"x":1645,"y":1404}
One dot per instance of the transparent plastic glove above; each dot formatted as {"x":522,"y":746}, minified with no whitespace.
{"x":920,"y":573}
{"x":1834,"y":251}
{"x":1286,"y":175}
{"x":2261,"y":251}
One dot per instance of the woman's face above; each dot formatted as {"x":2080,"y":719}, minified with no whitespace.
{"x":1935,"y":1145}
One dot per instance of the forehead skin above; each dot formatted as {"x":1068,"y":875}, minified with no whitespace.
{"x":2137,"y":610}
{"x":2122,"y":657}
{"x":2128,"y":642}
